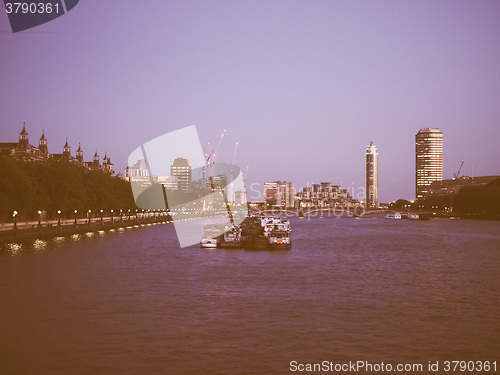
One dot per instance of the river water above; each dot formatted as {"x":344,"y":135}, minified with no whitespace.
{"x":133,"y":302}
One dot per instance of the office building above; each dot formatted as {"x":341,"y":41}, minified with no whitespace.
{"x":372,"y":176}
{"x":428,"y":160}
{"x":182,"y":170}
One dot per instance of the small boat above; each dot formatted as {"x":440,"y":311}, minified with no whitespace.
{"x":279,"y":239}
{"x":413,"y":216}
{"x":211,"y":237}
{"x":393,"y":215}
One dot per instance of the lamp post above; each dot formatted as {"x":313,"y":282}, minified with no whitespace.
{"x":102,"y":220}
{"x":112,"y":218}
{"x":76,"y":223}
{"x":39,"y":219}
{"x":121,"y":216}
{"x":129,"y":214}
{"x":89,"y":215}
{"x":15,"y":220}
{"x":59,"y":218}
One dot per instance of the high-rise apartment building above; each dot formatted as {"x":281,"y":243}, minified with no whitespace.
{"x":372,"y":176}
{"x":279,"y":193}
{"x":182,"y":170}
{"x":428,"y":160}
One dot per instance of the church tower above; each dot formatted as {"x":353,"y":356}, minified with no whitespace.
{"x":95,"y":163}
{"x":66,"y":151}
{"x":79,"y":154}
{"x":42,"y":146}
{"x":23,"y":139}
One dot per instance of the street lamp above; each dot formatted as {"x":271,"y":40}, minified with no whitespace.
{"x":121,"y":216}
{"x":39,"y":219}
{"x":59,"y":218}
{"x":101,"y":218}
{"x":112,"y":216}
{"x":15,"y":219}
{"x":76,"y":211}
{"x":89,"y":215}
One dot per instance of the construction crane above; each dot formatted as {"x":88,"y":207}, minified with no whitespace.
{"x":213,"y":154}
{"x":234,"y":155}
{"x":456,"y":176}
{"x":231,"y":170}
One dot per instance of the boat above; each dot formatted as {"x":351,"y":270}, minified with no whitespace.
{"x":279,"y":239}
{"x":232,"y":236}
{"x":266,"y":232}
{"x":393,"y":215}
{"x":413,"y":216}
{"x":211,"y":237}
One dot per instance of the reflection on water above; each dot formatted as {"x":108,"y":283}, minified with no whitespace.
{"x":39,"y":245}
{"x":368,"y":289}
{"x":14,"y":248}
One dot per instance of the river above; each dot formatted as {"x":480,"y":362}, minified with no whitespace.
{"x":133,"y":302}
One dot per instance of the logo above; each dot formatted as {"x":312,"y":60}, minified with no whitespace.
{"x":26,"y":14}
{"x":170,"y":173}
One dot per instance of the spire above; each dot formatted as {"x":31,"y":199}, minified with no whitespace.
{"x":24,"y":132}
{"x":67,"y":150}
{"x":79,"y":148}
{"x":23,"y":139}
{"x":42,"y":145}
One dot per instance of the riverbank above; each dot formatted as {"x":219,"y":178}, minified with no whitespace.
{"x":45,"y":230}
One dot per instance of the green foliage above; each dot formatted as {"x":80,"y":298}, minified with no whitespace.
{"x":471,"y":201}
{"x":54,"y":185}
{"x":479,"y":200}
{"x":400,"y":204}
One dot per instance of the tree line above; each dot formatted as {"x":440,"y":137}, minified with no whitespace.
{"x":53,"y":185}
{"x":482,"y":201}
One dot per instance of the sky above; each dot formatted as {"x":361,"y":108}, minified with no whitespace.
{"x":303,"y":86}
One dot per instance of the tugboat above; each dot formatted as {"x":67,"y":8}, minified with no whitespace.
{"x":232,"y":236}
{"x":211,"y":237}
{"x":253,"y":233}
{"x":266,"y":232}
{"x":279,"y":239}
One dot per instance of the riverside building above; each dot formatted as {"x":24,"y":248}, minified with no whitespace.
{"x":428,"y":160}
{"x":24,"y":150}
{"x":182,"y":170}
{"x":372,"y":176}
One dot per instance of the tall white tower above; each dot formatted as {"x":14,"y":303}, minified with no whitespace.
{"x":372,"y":176}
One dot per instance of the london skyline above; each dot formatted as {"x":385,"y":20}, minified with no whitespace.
{"x":303,"y":87}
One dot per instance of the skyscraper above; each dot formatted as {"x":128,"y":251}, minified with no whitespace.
{"x":182,"y":170}
{"x":428,"y":160}
{"x":371,"y":176}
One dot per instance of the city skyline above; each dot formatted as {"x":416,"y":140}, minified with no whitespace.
{"x":302,"y":87}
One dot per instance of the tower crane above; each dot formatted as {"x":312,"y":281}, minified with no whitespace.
{"x":456,"y":176}
{"x":213,"y":154}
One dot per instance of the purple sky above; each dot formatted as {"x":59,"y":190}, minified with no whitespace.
{"x":303,"y":86}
